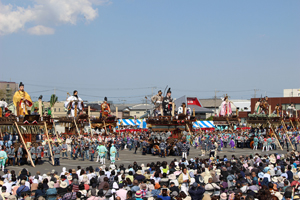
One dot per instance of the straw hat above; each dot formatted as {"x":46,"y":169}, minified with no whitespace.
{"x":51,"y":184}
{"x":172,"y":176}
{"x":139,"y":172}
{"x":223,"y":196}
{"x":138,"y":194}
{"x":63,"y":184}
{"x":296,"y":178}
{"x":177,"y":168}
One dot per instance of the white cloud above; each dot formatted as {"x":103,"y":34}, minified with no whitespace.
{"x":41,"y":30}
{"x":54,"y":12}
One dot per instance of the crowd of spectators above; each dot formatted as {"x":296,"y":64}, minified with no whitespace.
{"x":274,"y":176}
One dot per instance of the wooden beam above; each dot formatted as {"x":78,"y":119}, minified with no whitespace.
{"x":89,"y":114}
{"x":40,"y":108}
{"x":173,"y":109}
{"x":76,"y":126}
{"x":275,"y":135}
{"x":284,"y":127}
{"x":22,"y":139}
{"x":50,"y":148}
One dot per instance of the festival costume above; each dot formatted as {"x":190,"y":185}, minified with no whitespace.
{"x":22,"y":105}
{"x":225,"y":108}
{"x":269,"y":141}
{"x":113,"y":152}
{"x":157,"y":101}
{"x":255,"y":144}
{"x":167,"y":107}
{"x":265,"y":144}
{"x":3,"y":158}
{"x":101,"y":153}
{"x":71,"y":102}
{"x":3,"y":108}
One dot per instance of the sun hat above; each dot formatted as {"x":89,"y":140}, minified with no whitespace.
{"x":223,"y":196}
{"x":63,"y":184}
{"x":138,"y":194}
{"x":139,"y":172}
{"x":51,"y":184}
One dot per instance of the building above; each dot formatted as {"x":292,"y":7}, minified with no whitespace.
{"x":291,"y":93}
{"x":214,"y":105}
{"x":58,"y":109}
{"x":282,"y":101}
{"x":7,"y":90}
{"x":193,"y":103}
{"x":211,"y":104}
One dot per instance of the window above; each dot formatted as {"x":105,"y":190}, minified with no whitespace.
{"x":59,"y":110}
{"x":137,"y":112}
{"x":54,"y":109}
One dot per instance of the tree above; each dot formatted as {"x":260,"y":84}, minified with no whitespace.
{"x":2,"y":94}
{"x":53,"y":100}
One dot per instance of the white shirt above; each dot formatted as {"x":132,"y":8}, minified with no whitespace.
{"x":8,"y":187}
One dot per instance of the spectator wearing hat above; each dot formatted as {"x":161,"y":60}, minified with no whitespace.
{"x":139,"y":176}
{"x":138,"y":195}
{"x":295,"y":181}
{"x":62,"y":189}
{"x":51,"y":192}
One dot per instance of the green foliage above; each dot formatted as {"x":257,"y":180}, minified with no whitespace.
{"x":53,"y":100}
{"x":210,"y":118}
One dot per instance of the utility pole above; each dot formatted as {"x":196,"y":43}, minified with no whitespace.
{"x":152,"y":90}
{"x":216,"y":91}
{"x":255,"y":90}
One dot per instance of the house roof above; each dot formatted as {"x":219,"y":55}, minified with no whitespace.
{"x":199,"y":109}
{"x":210,"y":103}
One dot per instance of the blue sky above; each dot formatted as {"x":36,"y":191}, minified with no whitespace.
{"x":123,"y":48}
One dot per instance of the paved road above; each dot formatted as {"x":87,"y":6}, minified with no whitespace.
{"x":128,"y":157}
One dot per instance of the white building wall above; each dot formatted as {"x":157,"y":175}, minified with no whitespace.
{"x":291,"y":93}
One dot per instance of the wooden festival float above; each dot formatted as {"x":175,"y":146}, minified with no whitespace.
{"x":27,"y":128}
{"x":271,"y":122}
{"x":108,"y":122}
{"x":175,"y":124}
{"x":72,"y":125}
{"x":229,"y":121}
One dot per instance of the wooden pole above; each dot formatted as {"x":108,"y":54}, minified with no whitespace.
{"x":50,"y":148}
{"x":275,"y":135}
{"x":284,"y":127}
{"x":229,"y":124}
{"x":55,"y":129}
{"x":117,"y":112}
{"x":76,"y":126}
{"x":183,"y":109}
{"x":105,"y":127}
{"x":40,"y":107}
{"x":292,"y":124}
{"x":28,"y":153}
{"x":173,"y":109}
{"x":161,"y":111}
{"x":89,"y":113}
{"x":270,"y":111}
{"x":188,"y":129}
{"x":194,"y":113}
